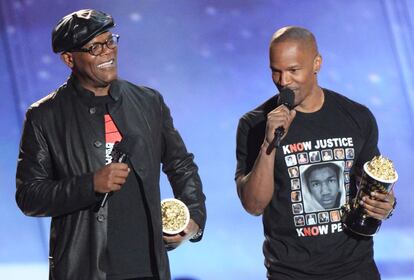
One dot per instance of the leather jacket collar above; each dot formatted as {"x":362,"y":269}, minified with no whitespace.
{"x":114,"y":90}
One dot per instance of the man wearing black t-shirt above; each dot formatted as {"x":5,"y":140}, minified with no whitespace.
{"x":106,"y":216}
{"x":305,"y":239}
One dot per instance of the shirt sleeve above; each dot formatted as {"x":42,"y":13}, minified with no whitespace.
{"x":370,"y":147}
{"x":241,"y":148}
{"x":250,"y":135}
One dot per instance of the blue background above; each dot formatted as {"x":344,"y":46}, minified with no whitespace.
{"x":210,"y":61}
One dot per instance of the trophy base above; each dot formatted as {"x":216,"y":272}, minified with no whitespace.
{"x":359,"y":224}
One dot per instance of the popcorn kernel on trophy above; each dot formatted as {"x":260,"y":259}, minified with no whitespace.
{"x":175,"y":216}
{"x":378,"y":175}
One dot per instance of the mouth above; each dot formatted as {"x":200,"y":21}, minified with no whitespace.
{"x":107,"y":64}
{"x":327,"y":201}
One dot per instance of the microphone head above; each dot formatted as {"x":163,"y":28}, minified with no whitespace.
{"x":120,"y":151}
{"x":125,"y":145}
{"x":287,"y":98}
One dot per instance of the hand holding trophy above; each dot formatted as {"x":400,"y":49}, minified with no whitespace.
{"x":175,"y":216}
{"x":380,"y":176}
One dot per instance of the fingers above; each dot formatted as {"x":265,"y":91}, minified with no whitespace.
{"x":117,"y":166}
{"x":173,"y":241}
{"x":386,"y":197}
{"x":279,"y":117}
{"x":378,"y":205}
{"x":110,"y":177}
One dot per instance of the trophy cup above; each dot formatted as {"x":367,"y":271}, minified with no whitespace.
{"x":175,"y":216}
{"x":378,"y":175}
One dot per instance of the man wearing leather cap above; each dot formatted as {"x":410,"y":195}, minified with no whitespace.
{"x":65,"y":166}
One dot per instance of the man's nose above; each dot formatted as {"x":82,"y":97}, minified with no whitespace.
{"x":284,"y":79}
{"x":325,"y":189}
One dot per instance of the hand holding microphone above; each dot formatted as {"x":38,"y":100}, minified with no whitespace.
{"x":279,"y":119}
{"x":111,"y":177}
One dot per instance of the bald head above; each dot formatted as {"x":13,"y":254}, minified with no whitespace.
{"x":296,"y":34}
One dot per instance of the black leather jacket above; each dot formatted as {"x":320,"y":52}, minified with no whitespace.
{"x":63,"y":144}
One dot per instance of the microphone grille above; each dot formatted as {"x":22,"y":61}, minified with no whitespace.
{"x":287,"y":98}
{"x":125,"y":145}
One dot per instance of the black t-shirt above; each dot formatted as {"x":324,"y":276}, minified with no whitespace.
{"x":129,"y":235}
{"x":314,"y":177}
{"x":129,"y":240}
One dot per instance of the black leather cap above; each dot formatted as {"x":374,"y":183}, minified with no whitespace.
{"x":76,"y":29}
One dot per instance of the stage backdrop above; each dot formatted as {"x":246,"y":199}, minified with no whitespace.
{"x":210,"y":61}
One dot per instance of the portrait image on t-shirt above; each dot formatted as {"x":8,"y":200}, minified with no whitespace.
{"x":299,"y":221}
{"x":346,"y":177}
{"x":348,"y":164}
{"x":303,"y":158}
{"x":327,"y":155}
{"x":314,"y":156}
{"x":297,"y":208}
{"x":311,"y":219}
{"x":295,"y":196}
{"x":339,"y":153}
{"x":322,"y":186}
{"x":335,"y":216}
{"x":293,"y":172}
{"x":295,"y":184}
{"x":290,"y":160}
{"x":323,"y":217}
{"x":349,"y":152}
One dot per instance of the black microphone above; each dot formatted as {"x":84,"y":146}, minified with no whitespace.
{"x":119,"y":154}
{"x":287,"y":98}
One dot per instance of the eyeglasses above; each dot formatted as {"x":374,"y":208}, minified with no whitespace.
{"x":98,"y":48}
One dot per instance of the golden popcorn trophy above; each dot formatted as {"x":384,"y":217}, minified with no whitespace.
{"x":380,"y":176}
{"x":175,"y":216}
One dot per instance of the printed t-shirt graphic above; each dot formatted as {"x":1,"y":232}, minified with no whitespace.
{"x":319,"y":176}
{"x":112,"y":136}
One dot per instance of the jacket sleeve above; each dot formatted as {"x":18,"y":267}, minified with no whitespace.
{"x":181,"y":170}
{"x":38,"y":192}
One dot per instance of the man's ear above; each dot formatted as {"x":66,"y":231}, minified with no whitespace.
{"x":67,"y":58}
{"x":317,"y":63}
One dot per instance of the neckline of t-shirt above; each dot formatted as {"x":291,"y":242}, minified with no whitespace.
{"x":101,"y":100}
{"x":316,"y":114}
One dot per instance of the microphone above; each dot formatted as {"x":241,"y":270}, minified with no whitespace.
{"x":119,"y":154}
{"x":287,"y":98}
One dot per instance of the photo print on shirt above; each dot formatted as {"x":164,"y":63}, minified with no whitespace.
{"x":323,"y":186}
{"x":303,"y":158}
{"x":349,"y":153}
{"x":295,"y":184}
{"x":297,"y":208}
{"x":339,"y":154}
{"x":314,"y":156}
{"x":327,"y":155}
{"x":348,"y":164}
{"x":290,"y":160}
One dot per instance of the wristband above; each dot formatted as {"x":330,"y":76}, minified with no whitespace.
{"x":197,"y":234}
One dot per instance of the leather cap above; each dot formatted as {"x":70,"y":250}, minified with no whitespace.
{"x":78,"y":28}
